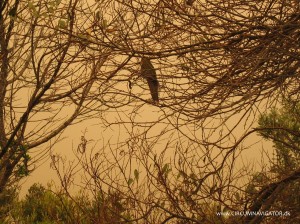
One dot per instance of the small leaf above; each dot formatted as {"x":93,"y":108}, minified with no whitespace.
{"x":130,"y":181}
{"x":51,"y":9}
{"x":111,"y":30}
{"x":237,"y":196}
{"x":12,"y":12}
{"x":104,"y":24}
{"x":193,"y":176}
{"x":62,"y":24}
{"x":89,"y":31}
{"x":129,"y":84}
{"x":183,"y":173}
{"x":44,"y":14}
{"x":165,"y":168}
{"x":35,"y":13}
{"x":82,"y":36}
{"x":31,"y":5}
{"x":185,"y":68}
{"x":136,"y":174}
{"x":98,"y":15}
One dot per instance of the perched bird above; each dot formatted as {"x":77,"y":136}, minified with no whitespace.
{"x":148,"y":73}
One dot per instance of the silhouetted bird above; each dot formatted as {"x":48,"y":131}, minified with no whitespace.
{"x":148,"y":73}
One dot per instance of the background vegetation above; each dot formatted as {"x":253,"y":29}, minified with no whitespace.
{"x":179,"y":124}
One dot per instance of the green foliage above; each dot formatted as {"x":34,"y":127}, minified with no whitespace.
{"x":7,"y":201}
{"x":282,"y":127}
{"x":32,"y":8}
{"x":41,"y":205}
{"x":22,"y":167}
